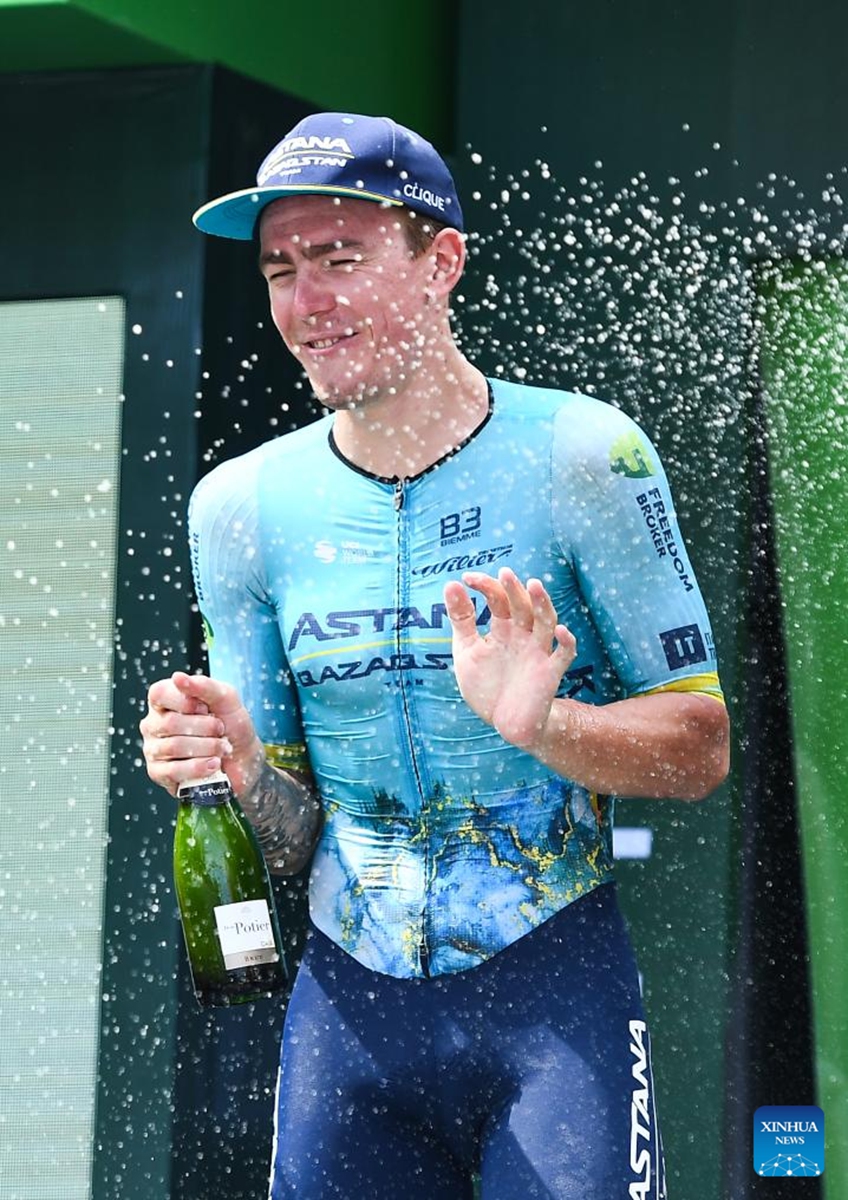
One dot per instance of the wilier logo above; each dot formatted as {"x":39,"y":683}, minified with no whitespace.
{"x":789,"y":1140}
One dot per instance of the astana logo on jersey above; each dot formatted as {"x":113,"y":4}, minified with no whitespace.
{"x":629,"y":456}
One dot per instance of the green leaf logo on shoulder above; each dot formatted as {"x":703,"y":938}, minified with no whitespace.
{"x":629,"y":457}
{"x":208,"y":635}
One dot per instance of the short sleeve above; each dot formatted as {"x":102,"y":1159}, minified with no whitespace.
{"x":239,"y":614}
{"x":614,"y":517}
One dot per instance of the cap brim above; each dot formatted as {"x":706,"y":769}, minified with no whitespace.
{"x":235,"y":215}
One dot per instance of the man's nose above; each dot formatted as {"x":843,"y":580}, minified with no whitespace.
{"x":313,"y":291}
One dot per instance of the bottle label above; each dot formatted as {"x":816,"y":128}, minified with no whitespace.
{"x":246,"y":934}
{"x":208,"y":793}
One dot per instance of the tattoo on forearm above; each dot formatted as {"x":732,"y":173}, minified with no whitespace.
{"x":286,"y":814}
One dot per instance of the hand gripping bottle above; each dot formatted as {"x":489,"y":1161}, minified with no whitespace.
{"x":226,"y":904}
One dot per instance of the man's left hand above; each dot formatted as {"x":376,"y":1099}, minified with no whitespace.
{"x":510,"y":675}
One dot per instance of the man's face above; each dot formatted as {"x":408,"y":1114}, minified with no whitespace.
{"x":346,"y":295}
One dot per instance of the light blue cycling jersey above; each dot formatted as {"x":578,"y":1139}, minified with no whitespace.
{"x":322,"y":591}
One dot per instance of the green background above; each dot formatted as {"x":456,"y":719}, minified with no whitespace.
{"x":805,"y":356}
{"x":366,"y":57}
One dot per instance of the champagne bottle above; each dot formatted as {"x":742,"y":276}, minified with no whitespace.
{"x":226,"y":904}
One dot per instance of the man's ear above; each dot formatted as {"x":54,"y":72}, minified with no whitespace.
{"x":446,"y":257}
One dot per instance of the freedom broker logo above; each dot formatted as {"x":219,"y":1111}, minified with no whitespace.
{"x":789,"y":1140}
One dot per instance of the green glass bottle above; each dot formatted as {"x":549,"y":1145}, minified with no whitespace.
{"x":226,"y":904}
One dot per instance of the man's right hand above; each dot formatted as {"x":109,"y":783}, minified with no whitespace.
{"x":195,"y":725}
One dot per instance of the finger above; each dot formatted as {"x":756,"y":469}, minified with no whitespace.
{"x":545,"y":616}
{"x":179,"y":749}
{"x":492,"y":591}
{"x":565,"y":638}
{"x":170,"y":723}
{"x":565,"y":650}
{"x":166,"y":696}
{"x":520,"y":604}
{"x":461,"y":614}
{"x":170,"y":775}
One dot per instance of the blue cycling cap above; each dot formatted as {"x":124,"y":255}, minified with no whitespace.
{"x":341,"y":154}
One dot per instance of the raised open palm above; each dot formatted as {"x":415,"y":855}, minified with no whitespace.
{"x":510,"y":675}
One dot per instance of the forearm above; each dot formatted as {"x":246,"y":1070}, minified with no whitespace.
{"x":670,"y":745}
{"x":285,"y":811}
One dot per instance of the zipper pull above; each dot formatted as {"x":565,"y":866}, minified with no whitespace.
{"x":398,"y":495}
{"x":424,"y":957}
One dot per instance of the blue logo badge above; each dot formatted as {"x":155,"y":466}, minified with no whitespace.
{"x":789,"y":1140}
{"x":683,"y":647}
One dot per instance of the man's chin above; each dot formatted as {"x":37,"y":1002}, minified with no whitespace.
{"x":339,"y":397}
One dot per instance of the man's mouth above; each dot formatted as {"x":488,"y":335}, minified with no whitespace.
{"x":329,"y":342}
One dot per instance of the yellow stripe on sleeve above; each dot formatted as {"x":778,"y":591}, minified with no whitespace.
{"x":704,"y":685}
{"x":292,"y":757}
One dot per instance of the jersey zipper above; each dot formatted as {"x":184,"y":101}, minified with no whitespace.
{"x":402,"y":569}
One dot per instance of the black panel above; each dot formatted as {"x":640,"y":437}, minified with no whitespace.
{"x":770,"y":1032}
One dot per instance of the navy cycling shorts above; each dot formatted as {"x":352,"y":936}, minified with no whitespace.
{"x":531,"y":1071}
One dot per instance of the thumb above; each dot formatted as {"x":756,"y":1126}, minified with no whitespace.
{"x":220,"y":698}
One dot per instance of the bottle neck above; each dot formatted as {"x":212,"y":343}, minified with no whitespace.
{"x":213,"y":790}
